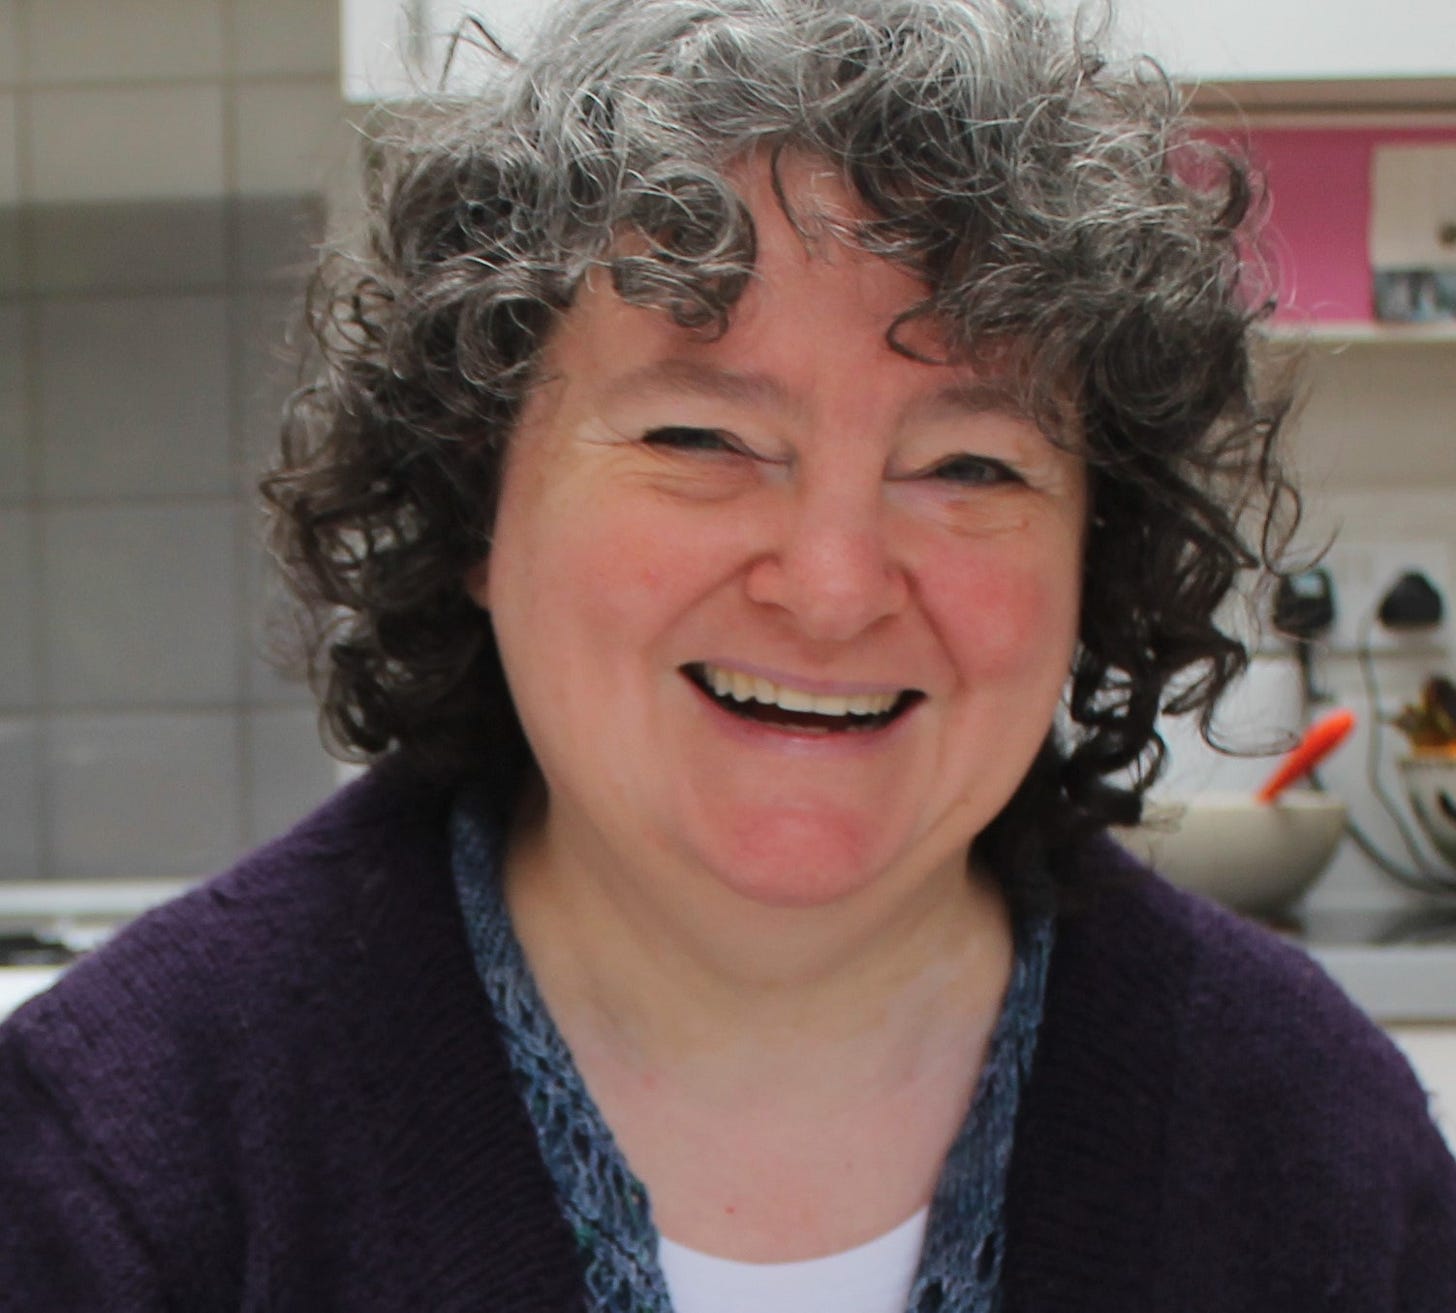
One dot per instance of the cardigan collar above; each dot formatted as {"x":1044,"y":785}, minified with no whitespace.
{"x":478,"y":1203}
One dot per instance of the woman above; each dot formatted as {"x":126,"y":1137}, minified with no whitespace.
{"x":765,"y":473}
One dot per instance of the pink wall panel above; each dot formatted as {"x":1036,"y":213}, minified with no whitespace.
{"x":1318,"y":231}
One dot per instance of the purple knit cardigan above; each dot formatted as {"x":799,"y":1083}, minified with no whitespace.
{"x":285,"y":1091}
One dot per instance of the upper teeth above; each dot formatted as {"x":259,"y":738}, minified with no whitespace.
{"x":754,"y":688}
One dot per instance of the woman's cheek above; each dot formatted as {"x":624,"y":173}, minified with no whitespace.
{"x":1004,"y":610}
{"x":627,"y":571}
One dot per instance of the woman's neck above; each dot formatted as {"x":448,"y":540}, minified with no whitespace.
{"x":786,"y":1083}
{"x":665,"y":976}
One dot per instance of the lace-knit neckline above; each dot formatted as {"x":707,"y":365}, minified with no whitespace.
{"x":608,"y":1207}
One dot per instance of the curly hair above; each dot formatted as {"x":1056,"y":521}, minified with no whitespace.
{"x":1056,"y":207}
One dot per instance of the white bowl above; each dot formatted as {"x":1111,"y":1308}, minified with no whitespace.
{"x":1257,"y":858}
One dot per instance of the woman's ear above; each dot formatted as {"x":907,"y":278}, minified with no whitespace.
{"x":477,"y":583}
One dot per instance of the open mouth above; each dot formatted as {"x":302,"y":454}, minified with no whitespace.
{"x":750,"y":697}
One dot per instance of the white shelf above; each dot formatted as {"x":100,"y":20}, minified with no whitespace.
{"x":1363,"y":333}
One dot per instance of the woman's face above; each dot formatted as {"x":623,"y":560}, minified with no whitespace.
{"x":787,"y":611}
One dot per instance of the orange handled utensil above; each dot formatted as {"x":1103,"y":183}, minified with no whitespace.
{"x":1320,"y":739}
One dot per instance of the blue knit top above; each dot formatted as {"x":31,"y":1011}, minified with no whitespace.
{"x":608,"y":1208}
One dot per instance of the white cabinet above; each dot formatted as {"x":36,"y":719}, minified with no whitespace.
{"x":394,"y":49}
{"x":391,"y":48}
{"x":1294,"y":40}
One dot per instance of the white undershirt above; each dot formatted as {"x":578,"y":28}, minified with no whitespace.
{"x":871,"y":1278}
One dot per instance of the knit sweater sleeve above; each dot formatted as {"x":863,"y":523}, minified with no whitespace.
{"x":1426,"y":1266}
{"x":281,"y":1091}
{"x":1300,"y":1135}
{"x":1213,"y":1127}
{"x":117,"y":1180}
{"x":68,"y":1242}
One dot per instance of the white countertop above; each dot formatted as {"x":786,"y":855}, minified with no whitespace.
{"x":19,"y":983}
{"x":1396,"y":983}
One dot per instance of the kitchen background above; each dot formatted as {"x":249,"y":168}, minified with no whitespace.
{"x":165,"y":170}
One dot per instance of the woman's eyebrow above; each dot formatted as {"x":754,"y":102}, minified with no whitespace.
{"x":674,"y":377}
{"x":956,"y":399}
{"x":969,"y":397}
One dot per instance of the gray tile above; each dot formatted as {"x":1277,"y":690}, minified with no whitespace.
{"x":14,"y":430}
{"x":120,"y":246}
{"x":20,"y":850}
{"x":140,"y":796}
{"x":156,"y":142}
{"x":289,"y":772}
{"x":10,"y":197}
{"x":277,"y":239}
{"x":78,"y":40}
{"x":9,"y":69}
{"x":9,"y":154}
{"x":141,"y":605}
{"x":289,"y":136}
{"x":10,"y":264}
{"x":285,"y":36}
{"x":12,"y":267}
{"x":265,"y":361}
{"x":17,"y":606}
{"x":273,"y":660}
{"x":134,"y":397}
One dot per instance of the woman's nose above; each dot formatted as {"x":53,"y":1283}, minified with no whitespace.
{"x":831,"y":569}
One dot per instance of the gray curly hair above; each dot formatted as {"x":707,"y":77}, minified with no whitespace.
{"x":1056,"y":208}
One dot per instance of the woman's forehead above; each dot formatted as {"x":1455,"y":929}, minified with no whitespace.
{"x":805,"y":258}
{"x":811,"y":282}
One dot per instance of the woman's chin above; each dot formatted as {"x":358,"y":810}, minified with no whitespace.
{"x":800,"y":861}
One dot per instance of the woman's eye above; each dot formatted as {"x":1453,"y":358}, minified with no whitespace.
{"x":973,"y":471}
{"x":686,"y":438}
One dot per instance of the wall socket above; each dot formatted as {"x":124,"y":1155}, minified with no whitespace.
{"x":1363,"y":573}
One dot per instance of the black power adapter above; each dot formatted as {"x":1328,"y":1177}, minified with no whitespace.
{"x":1304,"y":604}
{"x":1412,"y":602}
{"x":1304,"y":610}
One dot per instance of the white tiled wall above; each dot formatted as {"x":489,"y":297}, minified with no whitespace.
{"x":135,"y":40}
{"x":104,"y":248}
{"x":9,"y":187}
{"x":14,"y":456}
{"x":141,"y":605}
{"x":7,"y":40}
{"x":299,"y":37}
{"x":280,"y":744}
{"x":290,"y":135}
{"x":165,"y":432}
{"x":143,"y":142}
{"x":266,"y":678}
{"x":9,"y":159}
{"x":263,"y":369}
{"x":143,"y":794}
{"x":17,"y":585}
{"x":1379,"y":416}
{"x":20,"y":847}
{"x":162,"y":173}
